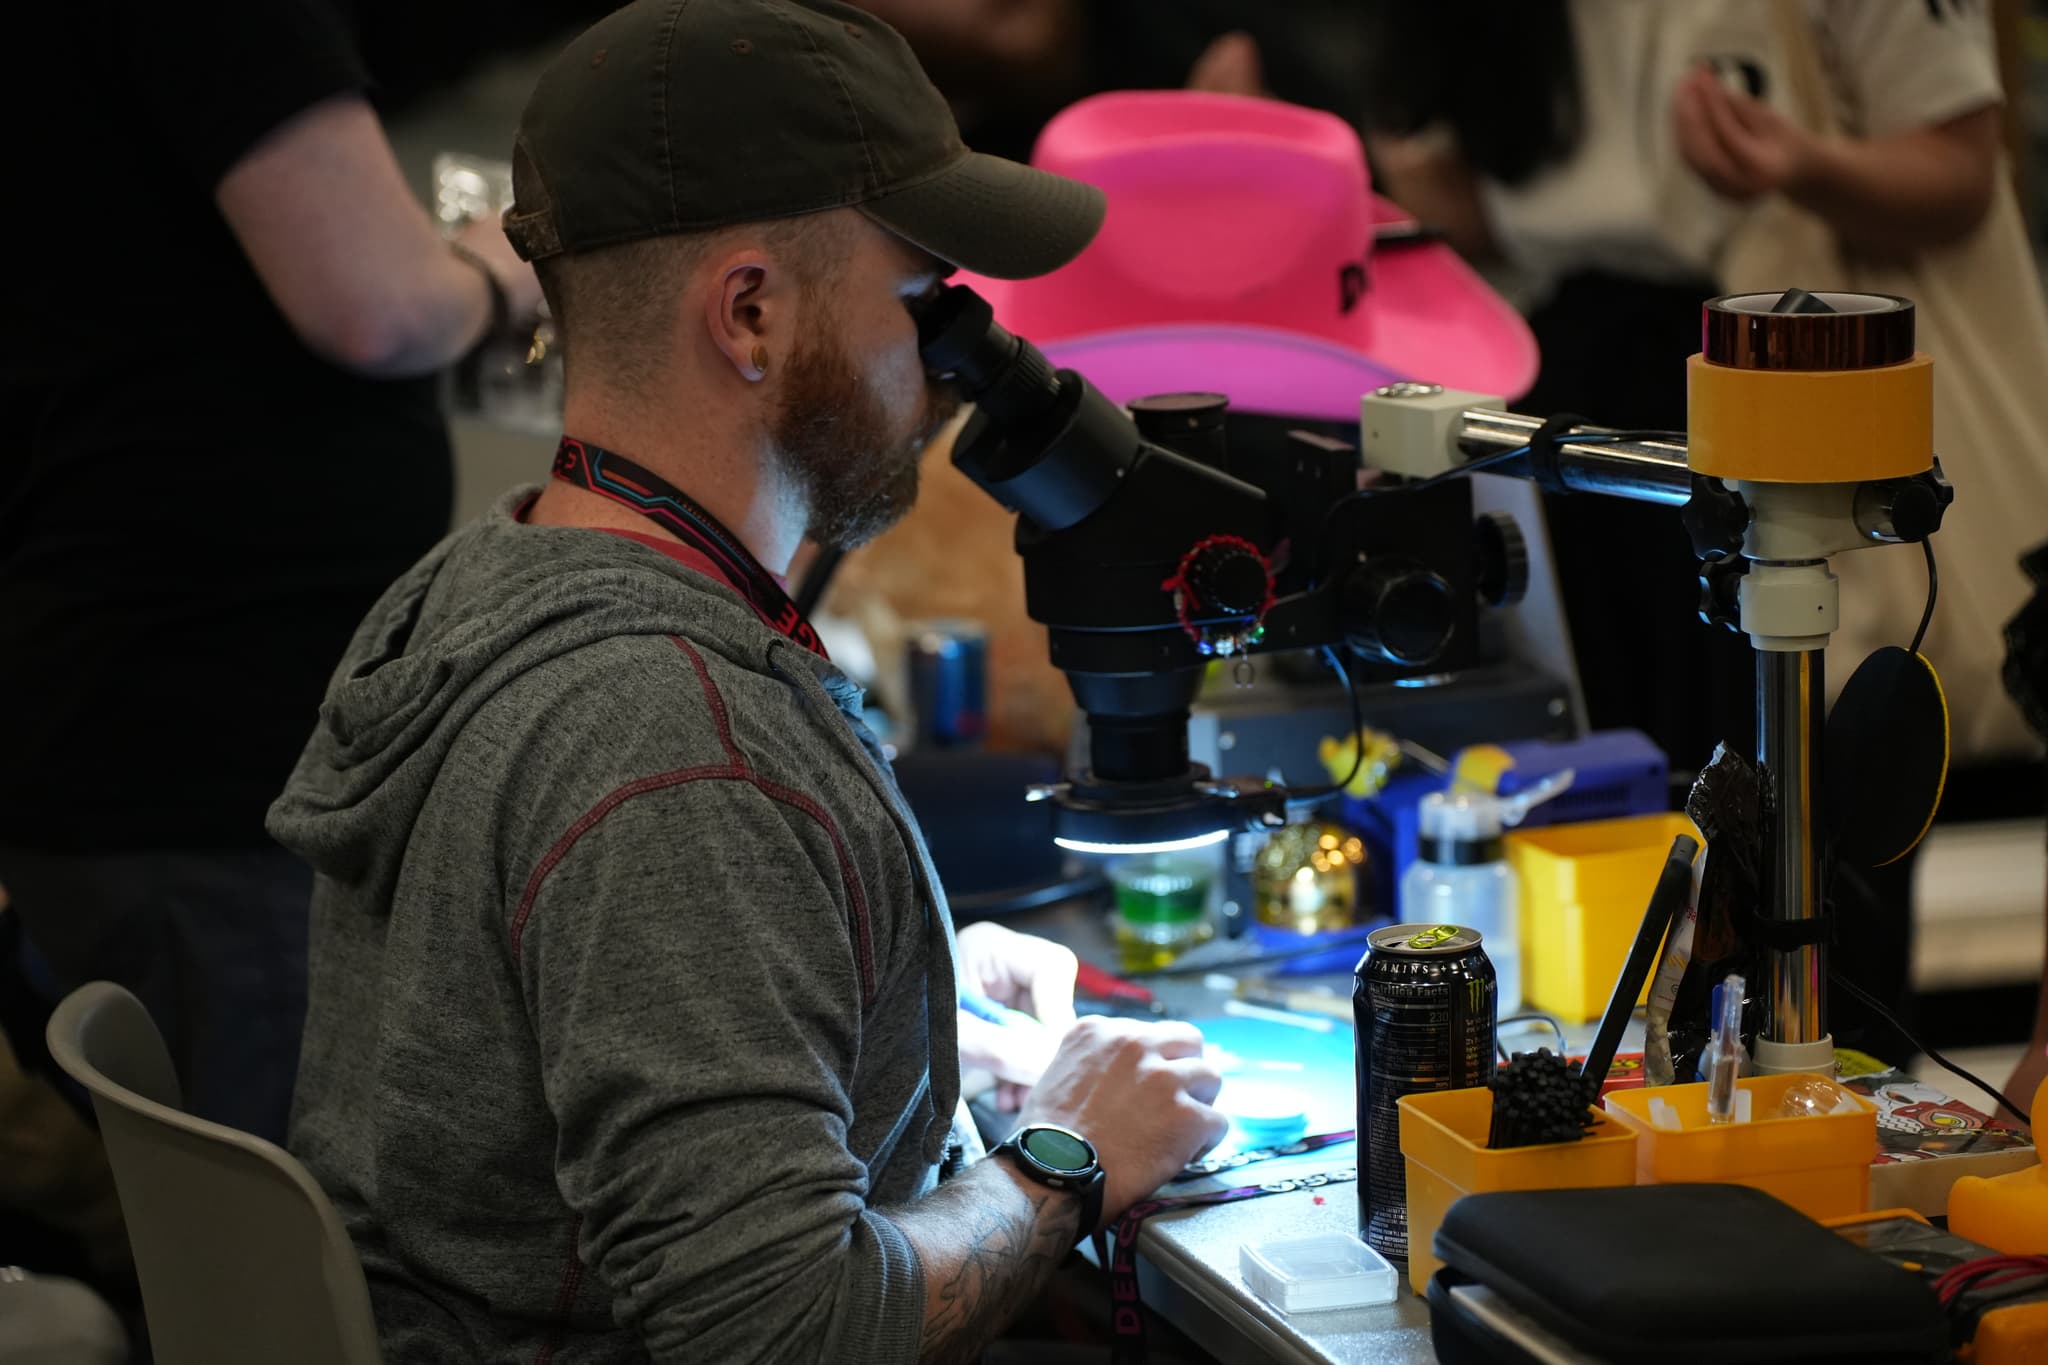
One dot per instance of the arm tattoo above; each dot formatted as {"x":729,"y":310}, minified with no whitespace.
{"x":987,"y":1243}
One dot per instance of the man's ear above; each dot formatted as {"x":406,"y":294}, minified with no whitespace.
{"x":748,"y":300}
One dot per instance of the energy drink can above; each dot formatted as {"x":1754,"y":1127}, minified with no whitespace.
{"x":1424,"y":1002}
{"x":949,"y":683}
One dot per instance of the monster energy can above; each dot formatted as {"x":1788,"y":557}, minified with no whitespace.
{"x":1424,"y":1001}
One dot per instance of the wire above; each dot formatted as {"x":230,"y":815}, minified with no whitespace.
{"x":1312,"y":794}
{"x":1477,"y":466}
{"x":817,"y":578}
{"x":1870,"y":1002}
{"x":1592,"y":438}
{"x":1987,"y":1272}
{"x":1933,"y":588}
{"x":1637,"y":434}
{"x":1549,"y":1021}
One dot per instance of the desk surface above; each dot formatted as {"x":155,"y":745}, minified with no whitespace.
{"x":1188,"y":1274}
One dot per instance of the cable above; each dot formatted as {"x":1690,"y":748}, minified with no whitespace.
{"x":1933,"y":588}
{"x":1987,"y":1272}
{"x":817,"y":578}
{"x":1549,"y":1021}
{"x":1472,"y":467}
{"x":1313,"y":794}
{"x":1870,"y":1002}
{"x":1593,"y":438}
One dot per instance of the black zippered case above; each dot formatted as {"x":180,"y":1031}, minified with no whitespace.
{"x":1672,"y":1274}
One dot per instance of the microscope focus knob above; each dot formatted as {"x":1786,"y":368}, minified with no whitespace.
{"x":1716,"y":518}
{"x":1721,"y":590}
{"x":1503,"y":559}
{"x":1399,"y":611}
{"x":1919,"y":504}
{"x":1227,"y":575}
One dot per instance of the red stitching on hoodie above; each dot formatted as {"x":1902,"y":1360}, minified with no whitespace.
{"x":590,"y":817}
{"x":856,"y":894}
{"x":718,"y":714}
{"x":565,"y":1297}
{"x":736,"y":770}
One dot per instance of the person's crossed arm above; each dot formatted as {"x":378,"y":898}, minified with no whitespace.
{"x":1887,"y":196}
{"x":1918,"y":86}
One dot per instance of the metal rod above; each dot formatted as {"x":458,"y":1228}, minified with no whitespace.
{"x":1790,"y":695}
{"x":1645,"y":471}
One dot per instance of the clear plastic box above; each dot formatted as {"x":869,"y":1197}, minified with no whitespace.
{"x":1315,"y":1274}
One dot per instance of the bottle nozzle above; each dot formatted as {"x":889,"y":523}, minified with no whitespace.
{"x":1514,"y":809}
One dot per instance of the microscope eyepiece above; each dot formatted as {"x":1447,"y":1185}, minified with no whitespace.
{"x":1000,"y":373}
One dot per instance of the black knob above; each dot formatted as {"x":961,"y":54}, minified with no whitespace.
{"x":1919,"y":503}
{"x":1715,"y":517}
{"x":1503,"y":559}
{"x":1228,"y":577}
{"x":1399,"y":611}
{"x":1188,"y":424}
{"x":1721,"y":590}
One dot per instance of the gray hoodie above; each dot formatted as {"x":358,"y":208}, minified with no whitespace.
{"x":632,"y":993}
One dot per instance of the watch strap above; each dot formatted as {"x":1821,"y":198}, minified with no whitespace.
{"x":501,"y":305}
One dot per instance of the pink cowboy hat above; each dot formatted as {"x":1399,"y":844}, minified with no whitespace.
{"x":1238,"y":257}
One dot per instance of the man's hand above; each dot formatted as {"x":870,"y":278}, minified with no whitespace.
{"x":1033,"y":975}
{"x":988,"y":1239}
{"x":1741,"y":147}
{"x":1141,"y":1093}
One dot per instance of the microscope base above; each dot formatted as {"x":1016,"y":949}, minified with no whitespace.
{"x":1773,"y":1058}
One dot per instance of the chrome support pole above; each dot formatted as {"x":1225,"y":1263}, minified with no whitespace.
{"x":1790,"y":706}
{"x":1645,"y":471}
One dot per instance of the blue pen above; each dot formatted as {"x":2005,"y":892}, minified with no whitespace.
{"x":981,"y":1007}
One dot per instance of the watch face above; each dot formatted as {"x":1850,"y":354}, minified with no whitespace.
{"x":1061,"y":1151}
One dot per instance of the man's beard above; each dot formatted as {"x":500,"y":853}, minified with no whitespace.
{"x":856,"y":467}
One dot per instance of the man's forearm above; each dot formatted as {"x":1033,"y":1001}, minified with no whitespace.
{"x":1893,"y":196}
{"x":987,"y":1241}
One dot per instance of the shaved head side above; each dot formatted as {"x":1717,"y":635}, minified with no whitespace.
{"x":616,"y":308}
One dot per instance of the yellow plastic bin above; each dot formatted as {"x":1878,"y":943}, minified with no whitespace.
{"x":1583,"y":892}
{"x":1819,"y":1165}
{"x":1443,"y":1138}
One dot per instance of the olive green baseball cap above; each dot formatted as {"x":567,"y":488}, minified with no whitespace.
{"x":677,"y":116}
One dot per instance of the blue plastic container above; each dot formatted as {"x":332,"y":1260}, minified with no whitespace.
{"x":1616,"y":773}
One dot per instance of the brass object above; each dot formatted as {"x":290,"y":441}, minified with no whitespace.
{"x":1307,"y":879}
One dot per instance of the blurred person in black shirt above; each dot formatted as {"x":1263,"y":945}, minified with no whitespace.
{"x":221,"y":360}
{"x":1007,"y":66}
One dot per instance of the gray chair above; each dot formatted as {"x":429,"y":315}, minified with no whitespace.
{"x":241,"y":1258}
{"x":46,"y":1320}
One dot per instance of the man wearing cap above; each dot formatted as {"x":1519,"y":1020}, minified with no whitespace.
{"x":633,"y":1032}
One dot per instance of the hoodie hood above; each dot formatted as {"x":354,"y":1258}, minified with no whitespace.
{"x":488,"y":605}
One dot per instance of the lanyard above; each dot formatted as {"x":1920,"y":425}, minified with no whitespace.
{"x":1117,"y":1247}
{"x":611,"y":475}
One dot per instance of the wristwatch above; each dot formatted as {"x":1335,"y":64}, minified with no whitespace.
{"x":1063,"y":1159}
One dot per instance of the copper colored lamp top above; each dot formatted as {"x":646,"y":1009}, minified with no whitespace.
{"x":1797,"y":330}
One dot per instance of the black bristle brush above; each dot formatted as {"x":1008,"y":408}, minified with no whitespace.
{"x":1538,"y":1098}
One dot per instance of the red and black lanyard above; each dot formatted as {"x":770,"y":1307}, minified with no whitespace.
{"x":611,"y":475}
{"x":1116,"y":1247}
